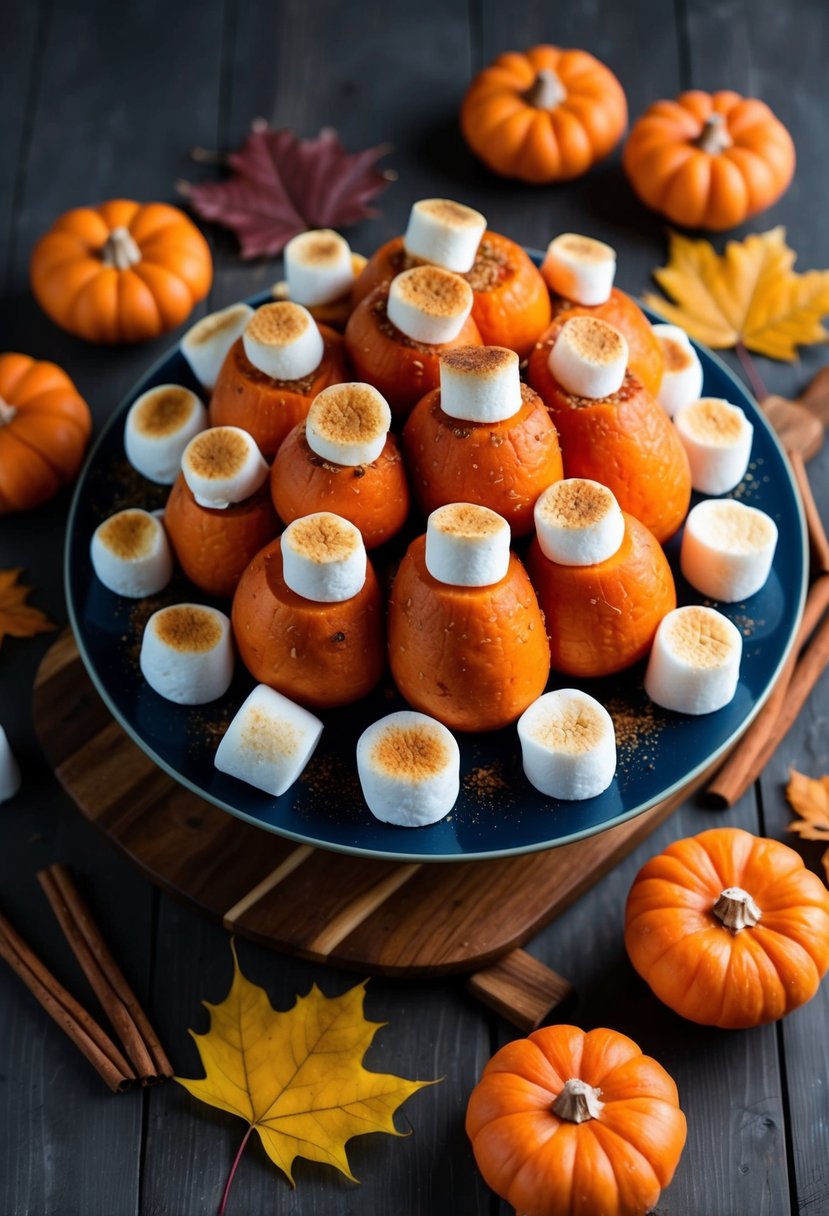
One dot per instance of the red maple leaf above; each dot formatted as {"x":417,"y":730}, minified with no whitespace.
{"x":281,"y":185}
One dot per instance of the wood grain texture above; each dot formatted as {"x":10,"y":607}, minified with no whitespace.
{"x":520,"y":989}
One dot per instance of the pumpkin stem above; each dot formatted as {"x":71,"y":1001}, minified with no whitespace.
{"x":578,"y":1102}
{"x":120,"y":250}
{"x":714,"y":136}
{"x":736,"y":909}
{"x":546,"y":91}
{"x":7,"y":413}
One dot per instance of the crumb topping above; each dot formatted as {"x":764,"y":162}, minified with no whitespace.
{"x":700,"y":636}
{"x":218,"y":453}
{"x":322,"y":538}
{"x":129,"y":534}
{"x":269,"y":739}
{"x":188,"y":628}
{"x":164,"y":411}
{"x":279,"y":324}
{"x":413,"y":752}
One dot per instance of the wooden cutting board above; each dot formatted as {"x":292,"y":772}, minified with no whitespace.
{"x":374,"y":916}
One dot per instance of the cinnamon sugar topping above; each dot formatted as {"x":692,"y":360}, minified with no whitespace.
{"x":414,"y":752}
{"x":324,"y":538}
{"x":701,"y":637}
{"x":482,"y":362}
{"x":129,"y":534}
{"x":435,"y":292}
{"x":187,"y":628}
{"x":279,"y":324}
{"x":164,"y":411}
{"x":218,"y":453}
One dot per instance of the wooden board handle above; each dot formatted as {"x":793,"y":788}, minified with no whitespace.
{"x":520,"y":989}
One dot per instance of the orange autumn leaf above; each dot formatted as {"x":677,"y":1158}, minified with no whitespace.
{"x":17,"y":618}
{"x":809,"y":796}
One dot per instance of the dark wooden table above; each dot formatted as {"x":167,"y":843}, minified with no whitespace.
{"x":101,"y":100}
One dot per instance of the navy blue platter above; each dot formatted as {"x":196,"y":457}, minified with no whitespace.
{"x":498,"y":813}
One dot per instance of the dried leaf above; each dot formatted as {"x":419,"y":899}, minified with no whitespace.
{"x":809,"y":796}
{"x":749,"y":295}
{"x":18,"y":619}
{"x":281,"y":185}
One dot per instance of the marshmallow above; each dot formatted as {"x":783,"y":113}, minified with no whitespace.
{"x":568,"y":745}
{"x":282,"y":341}
{"x":9,"y":771}
{"x":348,"y":424}
{"x":318,"y":267}
{"x":323,"y":558}
{"x":682,"y":370}
{"x":429,"y":305}
{"x":409,"y":768}
{"x":206,"y":344}
{"x":589,"y":358}
{"x":578,"y":522}
{"x":269,"y":741}
{"x":445,"y":233}
{"x":694,"y":665}
{"x":223,"y":465}
{"x":131,"y":554}
{"x":727,"y":549}
{"x":480,"y":383}
{"x":159,"y":426}
{"x":717,"y":437}
{"x":467,"y":545}
{"x":187,"y":653}
{"x":579,"y":268}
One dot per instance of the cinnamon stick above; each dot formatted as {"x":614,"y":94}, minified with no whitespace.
{"x":818,"y":542}
{"x":90,"y":1039}
{"x":108,"y":981}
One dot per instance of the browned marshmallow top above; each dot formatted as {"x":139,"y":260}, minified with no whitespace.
{"x":269,"y":739}
{"x":129,"y":534}
{"x":700,"y":637}
{"x":187,"y":628}
{"x":218,"y":453}
{"x":466,"y":520}
{"x":713,"y":421}
{"x":454,"y":215}
{"x":412,"y":752}
{"x":278,"y":324}
{"x":323,"y":538}
{"x":348,"y":413}
{"x":575,"y":503}
{"x":576,"y":729}
{"x":163,"y":412}
{"x":321,"y":248}
{"x":595,"y":340}
{"x":677,"y":355}
{"x":585,"y":248}
{"x":434,"y":291}
{"x":208,"y":328}
{"x":479,"y":362}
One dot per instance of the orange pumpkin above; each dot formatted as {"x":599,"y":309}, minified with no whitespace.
{"x":44,"y":429}
{"x":121,"y":272}
{"x":709,"y":160}
{"x":546,"y":115}
{"x":575,"y":1123}
{"x":645,"y":356}
{"x":729,"y":929}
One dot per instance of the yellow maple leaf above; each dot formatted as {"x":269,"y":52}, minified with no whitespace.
{"x":750,"y":295}
{"x":18,"y":619}
{"x":809,"y":796}
{"x":296,"y":1077}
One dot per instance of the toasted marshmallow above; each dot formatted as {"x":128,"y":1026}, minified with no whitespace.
{"x":223,"y":465}
{"x":282,"y":341}
{"x":445,"y":233}
{"x":429,"y":304}
{"x":579,"y":268}
{"x":589,"y":357}
{"x":269,"y":742}
{"x":318,"y":267}
{"x":480,"y":383}
{"x":409,"y":768}
{"x":159,"y":426}
{"x":323,"y":558}
{"x":694,"y":665}
{"x":578,"y":522}
{"x":682,"y":370}
{"x":568,"y":745}
{"x":727,"y":549}
{"x":131,"y":554}
{"x":206,"y":344}
{"x":9,"y":771}
{"x":348,"y":424}
{"x":187,"y":653}
{"x":717,"y":437}
{"x":467,"y":545}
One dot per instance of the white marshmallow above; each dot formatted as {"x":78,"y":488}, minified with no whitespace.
{"x":206,"y":344}
{"x":187,"y":653}
{"x":131,"y":554}
{"x":409,"y":768}
{"x":694,"y":665}
{"x":727,"y":549}
{"x":318,"y":267}
{"x":589,"y":357}
{"x":223,"y":465}
{"x":568,"y":745}
{"x":159,"y":426}
{"x":445,"y":233}
{"x":323,"y":558}
{"x":682,"y":372}
{"x":9,"y":770}
{"x":283,"y":341}
{"x":348,"y":424}
{"x":467,"y":545}
{"x":480,"y":383}
{"x":578,"y":522}
{"x":269,"y":741}
{"x":717,"y":437}
{"x":579,"y":268}
{"x":429,"y":304}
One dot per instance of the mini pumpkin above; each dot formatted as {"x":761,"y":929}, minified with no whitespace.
{"x":44,"y":429}
{"x":729,"y":929}
{"x":544,"y":115}
{"x":121,"y":272}
{"x":566,"y":1123}
{"x":709,"y":160}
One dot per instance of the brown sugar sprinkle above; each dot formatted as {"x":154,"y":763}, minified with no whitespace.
{"x":348,"y":413}
{"x":633,"y":725}
{"x":129,"y":534}
{"x":490,"y":270}
{"x":323,"y":537}
{"x":329,"y":784}
{"x":218,"y":453}
{"x":413,"y":752}
{"x":121,"y":486}
{"x":188,"y":628}
{"x":467,"y":519}
{"x":435,"y":291}
{"x":575,"y":503}
{"x":269,"y":739}
{"x":479,"y":361}
{"x":207,"y":329}
{"x":713,"y":420}
{"x":164,"y":412}
{"x":677,"y":356}
{"x":485,"y":779}
{"x":278,"y":324}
